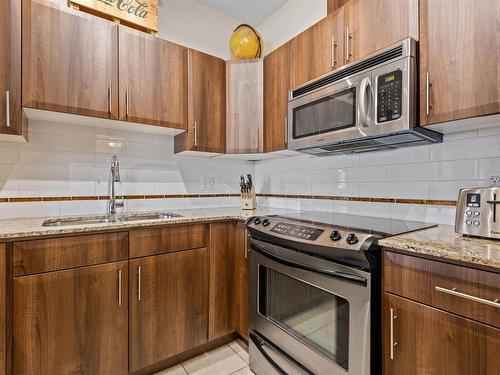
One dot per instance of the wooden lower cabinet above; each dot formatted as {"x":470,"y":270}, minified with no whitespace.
{"x":428,"y":341}
{"x":72,"y":322}
{"x":4,"y":311}
{"x":168,"y":306}
{"x":222,"y":280}
{"x":241,"y":281}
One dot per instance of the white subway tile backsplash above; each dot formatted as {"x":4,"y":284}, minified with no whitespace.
{"x":449,"y":170}
{"x":469,"y":148}
{"x":399,"y":156}
{"x":8,"y":154}
{"x":448,"y":190}
{"x":403,"y":190}
{"x":29,"y":209}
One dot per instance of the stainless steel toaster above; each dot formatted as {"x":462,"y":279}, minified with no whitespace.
{"x":478,"y":212}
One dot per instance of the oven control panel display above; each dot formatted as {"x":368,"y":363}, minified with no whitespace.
{"x":389,"y":100}
{"x":297,"y":231}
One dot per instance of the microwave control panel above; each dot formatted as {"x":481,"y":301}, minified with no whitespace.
{"x":389,"y":96}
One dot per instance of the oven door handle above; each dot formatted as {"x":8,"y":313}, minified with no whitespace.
{"x":291,"y":263}
{"x":260,"y":344}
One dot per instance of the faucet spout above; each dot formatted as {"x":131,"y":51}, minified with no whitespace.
{"x":114,"y":177}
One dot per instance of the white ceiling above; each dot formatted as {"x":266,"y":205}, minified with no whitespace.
{"x":252,"y":12}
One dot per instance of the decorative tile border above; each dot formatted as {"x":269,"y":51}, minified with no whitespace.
{"x":103,"y":197}
{"x":427,"y":202}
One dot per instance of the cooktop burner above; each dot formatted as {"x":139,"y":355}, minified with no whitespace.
{"x":374,"y":225}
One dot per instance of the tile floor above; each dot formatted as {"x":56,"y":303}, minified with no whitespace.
{"x":230,"y":359}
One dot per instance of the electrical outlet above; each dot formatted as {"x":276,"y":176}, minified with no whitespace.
{"x":494,"y":178}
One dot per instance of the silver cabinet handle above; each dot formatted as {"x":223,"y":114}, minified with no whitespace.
{"x":195,"y":135}
{"x":454,"y":292}
{"x":428,"y":94}
{"x":334,"y":48}
{"x":119,"y":287}
{"x":392,"y":343}
{"x":139,"y":283}
{"x":127,"y":101}
{"x":347,"y":45}
{"x":246,"y":244}
{"x":7,"y":108}
{"x":109,"y":97}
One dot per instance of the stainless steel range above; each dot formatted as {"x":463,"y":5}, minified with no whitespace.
{"x":315,"y":289}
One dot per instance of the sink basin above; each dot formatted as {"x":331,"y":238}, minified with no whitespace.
{"x":109,"y":219}
{"x":152,"y":216}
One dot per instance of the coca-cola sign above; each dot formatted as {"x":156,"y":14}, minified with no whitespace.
{"x":143,"y":13}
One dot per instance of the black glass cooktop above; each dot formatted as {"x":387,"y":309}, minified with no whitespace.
{"x":366,"y":224}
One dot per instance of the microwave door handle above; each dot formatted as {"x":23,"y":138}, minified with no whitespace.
{"x":365,"y":90}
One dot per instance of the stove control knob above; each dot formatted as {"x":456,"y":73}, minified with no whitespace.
{"x":352,"y":239}
{"x":257,"y":220}
{"x":265,"y":222}
{"x":335,"y":235}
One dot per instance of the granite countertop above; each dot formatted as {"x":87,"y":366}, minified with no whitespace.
{"x":442,"y":242}
{"x":32,"y":227}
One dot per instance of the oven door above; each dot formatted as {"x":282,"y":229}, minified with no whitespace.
{"x":316,"y":311}
{"x":337,"y":112}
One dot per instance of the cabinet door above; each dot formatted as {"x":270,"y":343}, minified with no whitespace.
{"x":241,"y":278}
{"x":459,"y":58}
{"x":428,"y":341}
{"x":69,"y":60}
{"x":245,"y":106}
{"x":5,"y":311}
{"x":72,"y":321}
{"x":372,"y":25}
{"x":153,"y":80}
{"x":168,"y":305}
{"x":277,"y":80}
{"x":208,"y":98}
{"x":319,"y":49}
{"x":10,"y":68}
{"x":221,"y":297}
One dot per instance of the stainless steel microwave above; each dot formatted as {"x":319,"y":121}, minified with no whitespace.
{"x":365,"y":106}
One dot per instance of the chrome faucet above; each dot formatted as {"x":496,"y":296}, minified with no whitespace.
{"x":114,"y":177}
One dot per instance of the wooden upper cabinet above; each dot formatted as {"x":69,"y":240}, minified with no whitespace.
{"x":277,"y":82}
{"x":428,"y":341}
{"x":207,"y":105}
{"x":372,"y":25}
{"x":319,"y":49}
{"x":245,"y":106}
{"x":222,"y":280}
{"x":153,"y":80}
{"x":333,"y":5}
{"x":74,"y":321}
{"x":168,"y":306}
{"x":459,"y":59}
{"x":11,"y":122}
{"x":70,"y":60}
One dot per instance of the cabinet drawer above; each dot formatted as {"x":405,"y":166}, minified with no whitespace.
{"x":145,"y":242}
{"x":461,"y":290}
{"x":37,"y":256}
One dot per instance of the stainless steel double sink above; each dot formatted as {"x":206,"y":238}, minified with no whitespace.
{"x":105,"y":219}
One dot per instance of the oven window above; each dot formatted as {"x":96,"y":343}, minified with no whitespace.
{"x":317,"y":318}
{"x":335,"y":112}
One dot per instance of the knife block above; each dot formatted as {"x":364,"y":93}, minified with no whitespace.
{"x":249,"y":200}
